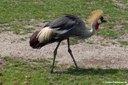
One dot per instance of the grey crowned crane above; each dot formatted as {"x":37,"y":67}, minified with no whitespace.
{"x":64,"y":27}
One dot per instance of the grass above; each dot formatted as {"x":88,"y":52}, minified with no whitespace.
{"x":21,"y":72}
{"x":23,"y":10}
{"x":108,"y":33}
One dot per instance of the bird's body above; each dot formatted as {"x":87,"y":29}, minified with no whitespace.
{"x":62,"y":28}
{"x":59,"y":29}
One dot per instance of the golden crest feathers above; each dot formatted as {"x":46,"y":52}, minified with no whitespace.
{"x":95,"y":15}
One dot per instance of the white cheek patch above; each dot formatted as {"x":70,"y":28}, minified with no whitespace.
{"x":99,"y":21}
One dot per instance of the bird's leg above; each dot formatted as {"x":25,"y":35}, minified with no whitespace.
{"x":70,"y":52}
{"x":55,"y":53}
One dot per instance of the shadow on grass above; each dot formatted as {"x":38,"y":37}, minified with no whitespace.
{"x":86,"y":71}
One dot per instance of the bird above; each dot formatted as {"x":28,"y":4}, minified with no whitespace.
{"x":64,"y":27}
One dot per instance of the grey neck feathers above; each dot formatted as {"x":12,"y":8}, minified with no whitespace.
{"x":89,"y":31}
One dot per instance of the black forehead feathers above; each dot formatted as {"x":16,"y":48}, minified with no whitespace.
{"x":102,"y":18}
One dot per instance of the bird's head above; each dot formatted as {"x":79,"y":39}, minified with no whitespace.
{"x":96,"y":18}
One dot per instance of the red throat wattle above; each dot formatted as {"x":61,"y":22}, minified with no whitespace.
{"x":97,"y":26}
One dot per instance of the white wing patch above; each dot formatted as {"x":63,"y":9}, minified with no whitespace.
{"x":45,"y":34}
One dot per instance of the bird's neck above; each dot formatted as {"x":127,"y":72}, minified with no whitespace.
{"x":91,"y":28}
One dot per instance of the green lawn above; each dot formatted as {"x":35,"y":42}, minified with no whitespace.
{"x":23,"y":10}
{"x":11,"y":10}
{"x":37,"y":72}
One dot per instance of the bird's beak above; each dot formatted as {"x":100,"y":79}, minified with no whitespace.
{"x":104,"y":21}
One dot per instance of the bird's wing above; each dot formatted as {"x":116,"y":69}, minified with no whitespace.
{"x":63,"y":23}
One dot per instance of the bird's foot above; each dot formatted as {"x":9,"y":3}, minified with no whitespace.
{"x":77,"y":68}
{"x":51,"y":71}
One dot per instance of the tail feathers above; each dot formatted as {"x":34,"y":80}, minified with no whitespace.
{"x":34,"y":43}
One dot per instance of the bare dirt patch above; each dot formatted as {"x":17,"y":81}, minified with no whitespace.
{"x":100,"y":53}
{"x":120,"y":4}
